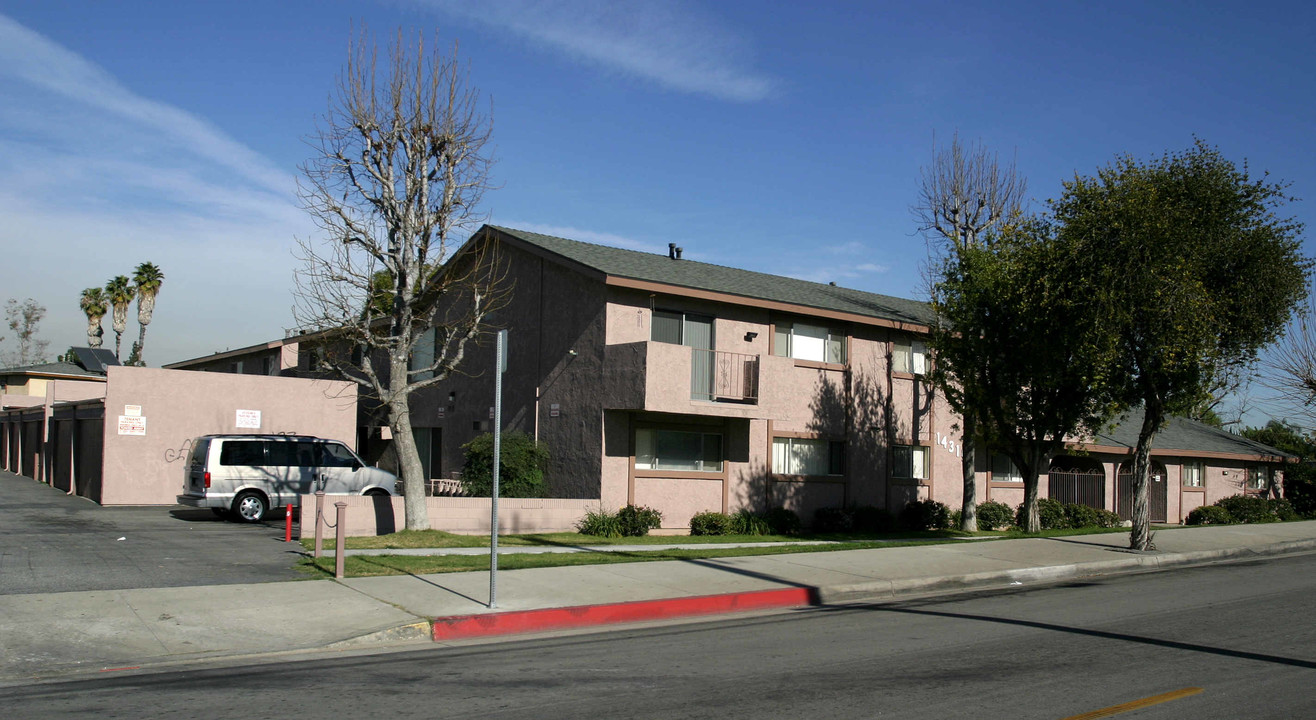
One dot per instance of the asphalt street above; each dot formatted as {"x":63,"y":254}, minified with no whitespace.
{"x":1221,"y":641}
{"x":53,"y":542}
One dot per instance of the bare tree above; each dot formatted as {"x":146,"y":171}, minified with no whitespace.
{"x":963,"y":195}
{"x":400,"y":167}
{"x":1289,"y":368}
{"x":23,"y":319}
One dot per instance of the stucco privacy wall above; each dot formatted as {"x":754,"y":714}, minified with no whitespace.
{"x":179,"y":405}
{"x":464,"y":516}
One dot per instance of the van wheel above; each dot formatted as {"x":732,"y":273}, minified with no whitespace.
{"x":250,"y":507}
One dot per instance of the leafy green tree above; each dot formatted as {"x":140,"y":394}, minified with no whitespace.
{"x":1192,"y":270}
{"x":120,"y":292}
{"x":94,"y":304}
{"x":148,"y":278}
{"x":1300,"y":477}
{"x":1017,"y":346}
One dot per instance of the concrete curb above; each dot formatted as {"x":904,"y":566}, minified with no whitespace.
{"x":548,"y":619}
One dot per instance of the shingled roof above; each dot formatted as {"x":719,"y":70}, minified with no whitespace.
{"x":651,"y":267}
{"x":1185,"y":435}
{"x":60,"y":369}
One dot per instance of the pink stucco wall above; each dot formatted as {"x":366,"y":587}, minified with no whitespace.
{"x":179,"y":405}
{"x":464,"y":516}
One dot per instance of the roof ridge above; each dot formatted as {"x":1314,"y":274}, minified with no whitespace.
{"x":819,"y":285}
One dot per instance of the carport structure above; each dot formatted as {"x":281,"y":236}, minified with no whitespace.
{"x":128,"y":446}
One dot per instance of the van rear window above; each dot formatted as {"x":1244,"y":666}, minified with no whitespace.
{"x":242,"y":452}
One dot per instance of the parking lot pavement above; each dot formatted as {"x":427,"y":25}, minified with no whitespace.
{"x":51,"y":542}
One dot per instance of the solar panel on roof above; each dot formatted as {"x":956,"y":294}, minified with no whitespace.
{"x":95,"y":359}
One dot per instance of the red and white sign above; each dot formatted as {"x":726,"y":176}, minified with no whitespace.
{"x":132,"y":425}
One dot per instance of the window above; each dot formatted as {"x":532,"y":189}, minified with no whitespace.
{"x":910,"y":356}
{"x":809,"y":342}
{"x":1192,"y":474}
{"x":422,"y":356}
{"x":682,"y":329}
{"x":242,"y":452}
{"x":291,"y":454}
{"x":336,"y":455}
{"x":1257,"y":477}
{"x":806,"y":456}
{"x":1003,"y":469}
{"x":909,"y":462}
{"x":677,"y":450}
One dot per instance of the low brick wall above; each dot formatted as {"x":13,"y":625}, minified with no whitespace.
{"x":461,"y":515}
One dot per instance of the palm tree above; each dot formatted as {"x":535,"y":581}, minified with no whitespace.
{"x":94,"y":303}
{"x":148,"y":279}
{"x":121,"y":293}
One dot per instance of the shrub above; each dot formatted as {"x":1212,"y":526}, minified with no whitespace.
{"x":956,"y":519}
{"x":925,"y":515}
{"x":1283,"y":509}
{"x":1248,"y":509}
{"x":637,"y":520}
{"x":1081,"y":516}
{"x":1209,"y":515}
{"x":994,"y":515}
{"x":833,"y":520}
{"x":1050,"y":513}
{"x":782,"y":521}
{"x":520,"y":467}
{"x":869,"y":519}
{"x":747,"y":522}
{"x":599,"y":523}
{"x":1108,"y":519}
{"x":712,"y":523}
{"x":1300,"y":489}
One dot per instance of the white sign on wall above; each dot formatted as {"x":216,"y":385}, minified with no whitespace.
{"x":248,"y":419}
{"x":132,"y":425}
{"x":132,"y":410}
{"x":554,"y":410}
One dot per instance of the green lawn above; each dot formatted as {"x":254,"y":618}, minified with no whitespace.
{"x":372,"y":565}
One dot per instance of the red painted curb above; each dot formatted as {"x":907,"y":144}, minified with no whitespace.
{"x":468,"y":626}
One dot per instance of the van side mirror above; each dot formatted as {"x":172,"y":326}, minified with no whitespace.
{"x":356,"y":465}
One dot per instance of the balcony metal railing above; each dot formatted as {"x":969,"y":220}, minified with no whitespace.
{"x":724,"y":376}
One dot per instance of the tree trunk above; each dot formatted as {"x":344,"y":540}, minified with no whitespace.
{"x":1140,"y":537}
{"x":413,"y":473}
{"x":969,"y":508}
{"x":94,"y":333}
{"x":1032,"y":522}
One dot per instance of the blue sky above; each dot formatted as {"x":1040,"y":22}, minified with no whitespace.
{"x":784,"y":137}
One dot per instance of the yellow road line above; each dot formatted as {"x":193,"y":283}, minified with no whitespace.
{"x":1136,"y":704}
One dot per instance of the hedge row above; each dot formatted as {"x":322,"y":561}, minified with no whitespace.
{"x":1243,"y":509}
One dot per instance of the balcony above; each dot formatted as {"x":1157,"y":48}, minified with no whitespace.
{"x":663,"y":377}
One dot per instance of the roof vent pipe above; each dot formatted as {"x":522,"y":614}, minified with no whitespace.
{"x":673,"y":251}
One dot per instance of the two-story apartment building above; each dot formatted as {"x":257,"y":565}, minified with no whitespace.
{"x":687,"y":386}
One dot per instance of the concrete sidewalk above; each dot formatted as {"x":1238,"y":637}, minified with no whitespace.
{"x":52,"y":635}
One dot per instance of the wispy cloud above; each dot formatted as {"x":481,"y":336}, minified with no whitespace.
{"x":673,"y":44}
{"x":95,"y":178}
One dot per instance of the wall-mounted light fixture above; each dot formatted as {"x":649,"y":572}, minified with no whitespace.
{"x":452,"y":397}
{"x":749,"y":336}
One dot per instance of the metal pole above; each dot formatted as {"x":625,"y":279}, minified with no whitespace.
{"x":319,"y":523}
{"x":340,"y":552}
{"x":501,"y":362}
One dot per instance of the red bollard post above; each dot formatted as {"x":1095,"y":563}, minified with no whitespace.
{"x":340,"y":540}
{"x":287,"y":524}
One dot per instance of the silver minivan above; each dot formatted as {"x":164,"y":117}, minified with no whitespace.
{"x":246,"y":475}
